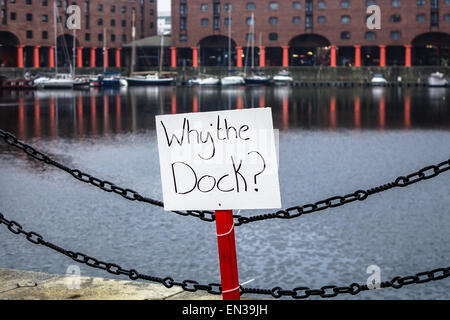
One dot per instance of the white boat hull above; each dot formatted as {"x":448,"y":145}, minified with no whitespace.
{"x":437,"y":82}
{"x":54,"y":83}
{"x":282,"y":80}
{"x":232,"y":81}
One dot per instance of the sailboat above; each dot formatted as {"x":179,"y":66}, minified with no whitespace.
{"x":256,"y":78}
{"x":203,"y":79}
{"x":60,"y":80}
{"x":231,"y":80}
{"x":149,"y":79}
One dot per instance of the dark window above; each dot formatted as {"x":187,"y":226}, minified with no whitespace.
{"x":100,"y":37}
{"x":395,"y":35}
{"x":29,"y":17}
{"x":273,"y":20}
{"x":204,"y":7}
{"x":345,"y":4}
{"x":396,"y":18}
{"x":87,"y":37}
{"x":124,"y":38}
{"x":100,"y":7}
{"x":44,"y":34}
{"x":309,"y":21}
{"x":296,"y":5}
{"x":29,"y":34}
{"x":434,"y":4}
{"x":320,"y":5}
{"x":447,"y":17}
{"x":12,"y":16}
{"x":216,"y":23}
{"x":273,"y":36}
{"x":345,"y":19}
{"x":205,"y":22}
{"x":228,"y":21}
{"x":434,"y":19}
{"x":370,"y":3}
{"x":228,"y":7}
{"x":87,"y":22}
{"x":183,"y":9}
{"x":30,"y":3}
{"x":3,"y":16}
{"x":421,"y":3}
{"x":123,"y":9}
{"x":370,"y":36}
{"x":345,"y":35}
{"x":44,"y":4}
{"x":100,"y":22}
{"x":296,"y":20}
{"x":251,"y":6}
{"x":420,"y":18}
{"x":113,"y":8}
{"x":113,"y":22}
{"x":396,"y":3}
{"x":216,"y":8}
{"x":152,"y":12}
{"x":44,"y":18}
{"x":273,"y":6}
{"x":124,"y":23}
{"x":309,"y":5}
{"x":183,"y":38}
{"x":182,"y":23}
{"x":152,"y":25}
{"x":321,"y":19}
{"x":113,"y":38}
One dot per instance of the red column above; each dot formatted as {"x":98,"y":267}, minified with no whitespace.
{"x":79,"y":57}
{"x":239,"y":57}
{"x":285,"y":56}
{"x":333,"y":56}
{"x":173,"y":57}
{"x":36,"y":56}
{"x":262,"y":56}
{"x":93,"y":57}
{"x":118,"y":57}
{"x":382,"y":56}
{"x":357,"y":56}
{"x":195,"y":57}
{"x":20,"y":56}
{"x":105,"y":57}
{"x":51,"y":57}
{"x":408,"y":55}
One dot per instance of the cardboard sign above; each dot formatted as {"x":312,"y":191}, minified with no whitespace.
{"x":218,"y":160}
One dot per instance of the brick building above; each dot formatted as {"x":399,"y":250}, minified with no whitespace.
{"x":27,"y":37}
{"x":310,"y":32}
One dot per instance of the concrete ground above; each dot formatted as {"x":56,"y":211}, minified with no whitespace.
{"x":27,"y":285}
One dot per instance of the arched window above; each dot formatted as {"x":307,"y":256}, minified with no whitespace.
{"x":251,"y":6}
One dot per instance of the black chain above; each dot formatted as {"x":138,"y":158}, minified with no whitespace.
{"x":330,"y":291}
{"x":105,"y":185}
{"x":360,"y":195}
{"x":290,"y":213}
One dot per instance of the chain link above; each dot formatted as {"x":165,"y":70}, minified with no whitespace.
{"x":329,"y":291}
{"x":426,"y":173}
{"x":104,"y":185}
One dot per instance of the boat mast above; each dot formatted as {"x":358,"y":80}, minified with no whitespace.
{"x":56,"y":43}
{"x":252,"y":34}
{"x":161,"y":55}
{"x":229,"y":37}
{"x":74,"y":52}
{"x":104,"y":50}
{"x":133,"y":36}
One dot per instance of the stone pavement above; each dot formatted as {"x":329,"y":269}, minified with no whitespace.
{"x":27,"y":285}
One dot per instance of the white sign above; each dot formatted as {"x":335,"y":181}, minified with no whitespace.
{"x":218,"y":160}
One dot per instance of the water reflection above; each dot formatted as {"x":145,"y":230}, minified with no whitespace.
{"x":66,"y":113}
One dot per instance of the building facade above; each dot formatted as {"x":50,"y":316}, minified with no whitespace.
{"x":310,"y":32}
{"x":27,"y":32}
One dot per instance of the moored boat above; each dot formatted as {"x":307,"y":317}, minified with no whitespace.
{"x":378,"y":80}
{"x":149,"y":80}
{"x":282,"y":78}
{"x":257,"y":79}
{"x":437,"y":79}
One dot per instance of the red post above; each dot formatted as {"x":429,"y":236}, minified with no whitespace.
{"x":195,"y":57}
{"x":382,"y":56}
{"x":357,"y":56}
{"x":20,"y":56}
{"x":118,"y":57}
{"x":51,"y":57}
{"x":36,"y":56}
{"x":333,"y":56}
{"x":79,"y":57}
{"x":262,"y":56}
{"x":239,"y":56}
{"x":285,"y":56}
{"x":173,"y":56}
{"x":93,"y":57}
{"x":105,"y":58}
{"x":408,"y":55}
{"x":227,"y":255}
